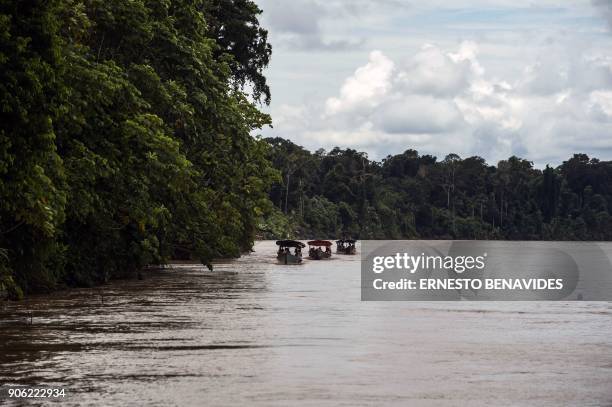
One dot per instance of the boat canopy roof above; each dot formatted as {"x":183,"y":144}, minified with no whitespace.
{"x":320,"y":243}
{"x":349,"y":241}
{"x":290,"y":243}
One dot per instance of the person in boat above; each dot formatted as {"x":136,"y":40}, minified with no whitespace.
{"x":328,"y":250}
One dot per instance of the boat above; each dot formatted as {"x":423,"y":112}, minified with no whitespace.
{"x":346,"y":246}
{"x":316,"y":252}
{"x":284,"y":254}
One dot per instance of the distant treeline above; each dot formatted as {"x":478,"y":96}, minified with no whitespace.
{"x":342,"y":193}
{"x":125,"y":136}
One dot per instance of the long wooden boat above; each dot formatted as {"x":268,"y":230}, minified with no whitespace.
{"x":346,"y":246}
{"x":316,"y":252}
{"x":284,"y":255}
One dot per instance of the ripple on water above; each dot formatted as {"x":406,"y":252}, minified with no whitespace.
{"x":258,"y":333}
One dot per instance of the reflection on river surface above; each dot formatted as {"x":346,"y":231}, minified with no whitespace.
{"x":256,"y":333}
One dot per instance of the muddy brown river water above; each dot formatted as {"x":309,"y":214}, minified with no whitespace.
{"x":254,"y":333}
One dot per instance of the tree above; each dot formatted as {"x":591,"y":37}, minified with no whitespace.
{"x":32,"y":195}
{"x":412,"y":196}
{"x":126,"y":135}
{"x":235,"y":26}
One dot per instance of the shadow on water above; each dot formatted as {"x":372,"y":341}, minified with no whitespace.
{"x":163,"y":313}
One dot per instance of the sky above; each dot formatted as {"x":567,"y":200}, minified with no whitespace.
{"x":490,"y":78}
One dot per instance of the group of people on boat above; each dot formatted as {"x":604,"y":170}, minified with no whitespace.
{"x":296,"y":252}
{"x":284,"y":254}
{"x":346,"y":246}
{"x":318,"y":250}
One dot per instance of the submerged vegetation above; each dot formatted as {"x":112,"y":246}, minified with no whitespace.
{"x":125,"y":136}
{"x":406,"y":196}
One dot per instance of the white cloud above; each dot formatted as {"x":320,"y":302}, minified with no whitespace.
{"x":300,"y":23}
{"x":534,"y":79}
{"x":434,"y":72}
{"x":605,"y":7}
{"x":417,"y":114}
{"x":442,"y":100}
{"x":601,"y":104}
{"x":366,"y":88}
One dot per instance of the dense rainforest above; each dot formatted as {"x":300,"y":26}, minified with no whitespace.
{"x":409,"y":196}
{"x":125,"y":136}
{"x":126,"y":139}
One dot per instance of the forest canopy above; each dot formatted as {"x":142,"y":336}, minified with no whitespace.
{"x":125,"y":136}
{"x":342,"y":193}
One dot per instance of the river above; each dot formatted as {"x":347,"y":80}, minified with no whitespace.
{"x":255,"y":333}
